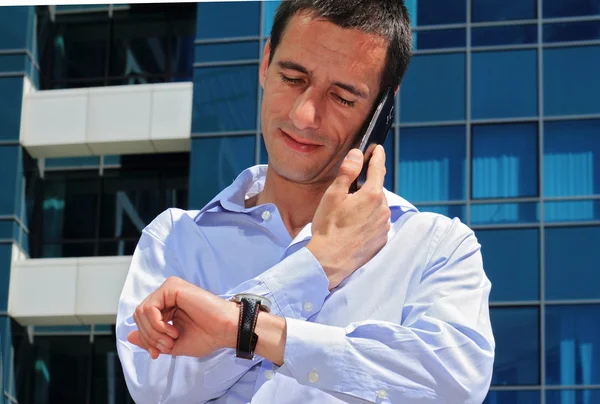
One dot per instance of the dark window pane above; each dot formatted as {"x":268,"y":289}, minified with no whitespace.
{"x":450,"y":211}
{"x":499,"y":10}
{"x":571,"y":84}
{"x":225,"y":98}
{"x":182,"y":25}
{"x":511,"y":262}
{"x":571,"y":8}
{"x":513,"y":397}
{"x":218,"y":52}
{"x":434,"y":12}
{"x":112,"y":160}
{"x":62,"y":369}
{"x":439,"y":39}
{"x":68,"y":250}
{"x":572,"y":31}
{"x":12,"y":63}
{"x":108,"y":381}
{"x":432,"y":163}
{"x":572,"y":158}
{"x":504,"y":213}
{"x":11,"y":99}
{"x":264,"y":155}
{"x":9,"y":159}
{"x":497,"y":94}
{"x":228,"y":19}
{"x":130,"y":201}
{"x":61,"y":329}
{"x":504,"y":35}
{"x":572,"y":262}
{"x":516,"y":331}
{"x":14,"y":25}
{"x":572,"y":211}
{"x":573,"y":396}
{"x":88,"y":161}
{"x":573,"y":345}
{"x":216,"y":162}
{"x":8,"y":227}
{"x":431,"y":93}
{"x":505,"y":160}
{"x":70,"y":205}
{"x":5,"y":263}
{"x":116,"y":248}
{"x":269,"y":9}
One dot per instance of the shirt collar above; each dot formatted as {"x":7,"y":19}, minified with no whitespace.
{"x":251,"y":181}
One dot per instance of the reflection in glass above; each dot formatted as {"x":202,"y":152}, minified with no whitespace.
{"x":571,"y":8}
{"x":439,"y":39}
{"x":572,"y":31}
{"x":432,"y":163}
{"x":108,"y":382}
{"x":571,"y":88}
{"x":572,"y":159}
{"x":450,"y":211}
{"x":496,"y":94}
{"x":511,"y":262}
{"x":499,"y":10}
{"x":572,"y":263}
{"x":573,"y":396}
{"x":504,"y":35}
{"x":504,"y":213}
{"x":505,"y":160}
{"x":513,"y":397}
{"x":572,"y":345}
{"x":516,"y":331}
{"x":434,"y":12}
{"x":228,"y":19}
{"x":219,"y":52}
{"x":572,"y":211}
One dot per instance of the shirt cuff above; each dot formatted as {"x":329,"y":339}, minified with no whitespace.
{"x":314,"y":354}
{"x":298,"y":285}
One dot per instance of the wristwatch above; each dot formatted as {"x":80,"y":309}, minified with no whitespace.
{"x":250,"y":306}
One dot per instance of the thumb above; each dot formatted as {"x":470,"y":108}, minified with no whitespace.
{"x":349,"y":170}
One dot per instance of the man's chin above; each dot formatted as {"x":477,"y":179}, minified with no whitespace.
{"x":294,"y":173}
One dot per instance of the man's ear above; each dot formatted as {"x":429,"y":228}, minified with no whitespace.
{"x":264,"y":64}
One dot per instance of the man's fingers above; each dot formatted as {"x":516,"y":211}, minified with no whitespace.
{"x":349,"y":170}
{"x":135,"y":338}
{"x":376,"y":170}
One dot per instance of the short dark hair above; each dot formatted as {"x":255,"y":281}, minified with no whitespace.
{"x":386,"y":18}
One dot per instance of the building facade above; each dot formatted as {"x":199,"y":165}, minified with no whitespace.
{"x":110,"y":114}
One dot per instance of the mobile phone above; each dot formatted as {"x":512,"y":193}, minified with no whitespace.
{"x":375,"y":133}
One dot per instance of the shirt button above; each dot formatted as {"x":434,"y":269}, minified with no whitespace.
{"x":308,"y":306}
{"x":269,"y":374}
{"x":266,"y":215}
{"x":313,"y":377}
{"x":382,"y":394}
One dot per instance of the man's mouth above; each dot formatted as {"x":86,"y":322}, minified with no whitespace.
{"x":299,"y":144}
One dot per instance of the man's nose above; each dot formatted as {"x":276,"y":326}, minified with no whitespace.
{"x":306,"y":113}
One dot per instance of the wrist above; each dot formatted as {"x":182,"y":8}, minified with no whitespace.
{"x":229,"y":338}
{"x":323,"y":256}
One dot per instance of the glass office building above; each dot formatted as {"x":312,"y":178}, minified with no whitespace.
{"x":498,"y":123}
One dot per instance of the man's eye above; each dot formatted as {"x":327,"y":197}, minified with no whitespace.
{"x":344,"y":101}
{"x":289,"y":80}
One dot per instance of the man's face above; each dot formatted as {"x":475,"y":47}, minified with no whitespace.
{"x":318,"y":90}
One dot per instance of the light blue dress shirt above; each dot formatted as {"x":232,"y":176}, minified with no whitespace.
{"x":410,"y":326}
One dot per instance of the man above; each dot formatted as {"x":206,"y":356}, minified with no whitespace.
{"x":366,"y":299}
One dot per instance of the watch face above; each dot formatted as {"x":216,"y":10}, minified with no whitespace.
{"x":263,"y":300}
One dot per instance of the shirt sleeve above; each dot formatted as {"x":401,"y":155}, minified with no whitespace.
{"x":171,"y":379}
{"x":442,"y":352}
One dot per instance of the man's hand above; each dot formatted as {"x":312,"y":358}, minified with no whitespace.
{"x":202,"y":322}
{"x":350,"y":228}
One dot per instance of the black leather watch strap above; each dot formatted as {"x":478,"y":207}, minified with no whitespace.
{"x":246,"y":338}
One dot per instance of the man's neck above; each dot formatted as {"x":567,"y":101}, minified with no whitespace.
{"x":296,"y":203}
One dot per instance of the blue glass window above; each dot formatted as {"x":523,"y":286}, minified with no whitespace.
{"x":431,"y":93}
{"x":269,"y":9}
{"x":9,"y":229}
{"x":63,"y":162}
{"x":9,"y":158}
{"x":499,"y":10}
{"x":439,"y":39}
{"x":572,"y":31}
{"x":572,"y":396}
{"x":264,"y":155}
{"x":500,"y":94}
{"x":432,"y":163}
{"x":505,"y":160}
{"x":504,"y":213}
{"x":434,"y":12}
{"x":5,"y":260}
{"x":572,"y":158}
{"x":573,"y":345}
{"x":219,"y":52}
{"x":516,"y":331}
{"x":14,"y":26}
{"x":12,"y":63}
{"x":571,"y":8}
{"x":572,"y":262}
{"x":571,"y":211}
{"x":513,"y":397}
{"x":215,"y":164}
{"x":228,"y":19}
{"x":11,"y":99}
{"x":225,"y":98}
{"x":571,"y":84}
{"x":511,"y":262}
{"x":61,"y":329}
{"x":450,"y":211}
{"x":504,"y":35}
